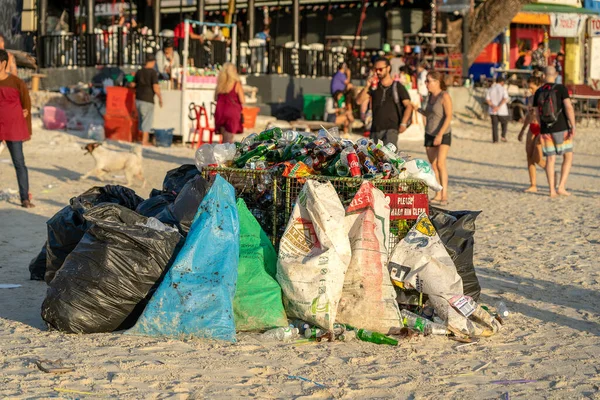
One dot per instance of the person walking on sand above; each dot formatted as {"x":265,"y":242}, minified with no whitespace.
{"x":556,"y":117}
{"x":533,"y":146}
{"x":438,"y":135}
{"x":229,"y":95}
{"x":390,"y":103}
{"x":497,"y":99}
{"x":15,"y":123}
{"x":146,"y":86}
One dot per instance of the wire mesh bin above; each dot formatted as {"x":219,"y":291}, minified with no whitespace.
{"x":346,"y":188}
{"x":262,"y":192}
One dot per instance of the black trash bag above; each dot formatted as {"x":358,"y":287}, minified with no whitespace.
{"x":181,"y":213}
{"x":155,"y":205}
{"x":106,"y":281}
{"x":176,"y":178}
{"x":457,"y":231}
{"x":37,"y":266}
{"x":67,"y":227}
{"x":287,"y":113}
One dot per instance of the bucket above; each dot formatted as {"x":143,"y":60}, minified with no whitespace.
{"x":163,"y":137}
{"x":250,"y":114}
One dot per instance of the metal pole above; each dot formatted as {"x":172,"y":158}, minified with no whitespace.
{"x":296,"y":14}
{"x":42,"y":16}
{"x":90,"y":15}
{"x":251,"y":19}
{"x":156,"y":16}
{"x":183,"y":108}
{"x":466,"y":41}
{"x":201,"y":4}
{"x":234,"y":45}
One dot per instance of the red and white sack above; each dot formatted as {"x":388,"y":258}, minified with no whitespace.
{"x":368,"y":298}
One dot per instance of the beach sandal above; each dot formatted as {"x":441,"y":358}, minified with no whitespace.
{"x":443,"y":203}
{"x":435,"y":202}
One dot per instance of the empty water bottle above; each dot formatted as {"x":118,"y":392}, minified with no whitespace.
{"x":501,"y":309}
{"x":96,"y":132}
{"x":280,"y":334}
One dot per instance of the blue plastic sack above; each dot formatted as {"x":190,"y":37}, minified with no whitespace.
{"x":196,"y":296}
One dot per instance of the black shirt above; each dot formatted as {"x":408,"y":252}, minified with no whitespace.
{"x":385,"y":112}
{"x":144,"y":79}
{"x":562,"y":123}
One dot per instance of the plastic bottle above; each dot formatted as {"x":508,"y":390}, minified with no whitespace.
{"x":280,"y":334}
{"x":205,"y":156}
{"x":325,"y":154}
{"x":96,"y":132}
{"x":414,"y":321}
{"x":348,"y":336}
{"x":313,"y":333}
{"x":502,"y":309}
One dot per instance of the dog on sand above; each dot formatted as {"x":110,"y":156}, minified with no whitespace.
{"x":113,"y":161}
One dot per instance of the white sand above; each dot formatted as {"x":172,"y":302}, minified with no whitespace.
{"x":539,"y":255}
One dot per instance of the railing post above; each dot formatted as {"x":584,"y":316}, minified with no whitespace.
{"x":120,"y":53}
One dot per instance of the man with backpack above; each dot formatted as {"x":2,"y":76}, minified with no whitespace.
{"x":390,"y":104}
{"x":557,"y":121}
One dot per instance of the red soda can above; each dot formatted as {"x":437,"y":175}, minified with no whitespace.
{"x":353,"y":164}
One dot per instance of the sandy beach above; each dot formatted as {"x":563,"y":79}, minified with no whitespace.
{"x":539,"y":255}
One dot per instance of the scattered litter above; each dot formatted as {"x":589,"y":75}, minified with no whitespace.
{"x":482,"y":367}
{"x":118,"y":176}
{"x":61,"y":390}
{"x":8,"y":194}
{"x":300,"y":378}
{"x":465,"y":344}
{"x":53,"y":367}
{"x":9,"y":286}
{"x":5,"y":160}
{"x":515,"y":381}
{"x":505,"y":396}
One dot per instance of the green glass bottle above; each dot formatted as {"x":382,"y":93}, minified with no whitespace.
{"x":375,"y":337}
{"x":257,"y":152}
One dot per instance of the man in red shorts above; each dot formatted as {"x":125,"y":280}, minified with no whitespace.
{"x":557,"y":121}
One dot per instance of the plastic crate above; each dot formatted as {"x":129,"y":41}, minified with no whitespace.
{"x":262,"y":192}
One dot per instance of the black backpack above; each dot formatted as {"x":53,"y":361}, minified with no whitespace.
{"x":398,"y":103}
{"x":548,"y":105}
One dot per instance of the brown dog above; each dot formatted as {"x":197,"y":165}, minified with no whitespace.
{"x":113,"y":161}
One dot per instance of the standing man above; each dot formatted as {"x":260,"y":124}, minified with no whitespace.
{"x":497,"y":100}
{"x":557,"y":121}
{"x":538,"y":58}
{"x":15,"y":123}
{"x":390,"y":103}
{"x":146,"y":86}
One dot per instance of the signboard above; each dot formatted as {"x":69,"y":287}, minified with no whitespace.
{"x":595,"y":27}
{"x":451,"y":6}
{"x":594,"y":63}
{"x":566,"y":25}
{"x":572,"y":3}
{"x":407,"y":206}
{"x":108,"y":9}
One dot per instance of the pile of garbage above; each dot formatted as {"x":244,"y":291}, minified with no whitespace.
{"x":302,"y":154}
{"x":192,"y":260}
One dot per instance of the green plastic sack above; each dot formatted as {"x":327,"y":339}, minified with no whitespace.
{"x":257,"y":304}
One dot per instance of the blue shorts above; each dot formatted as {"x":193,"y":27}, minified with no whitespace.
{"x":145,"y":115}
